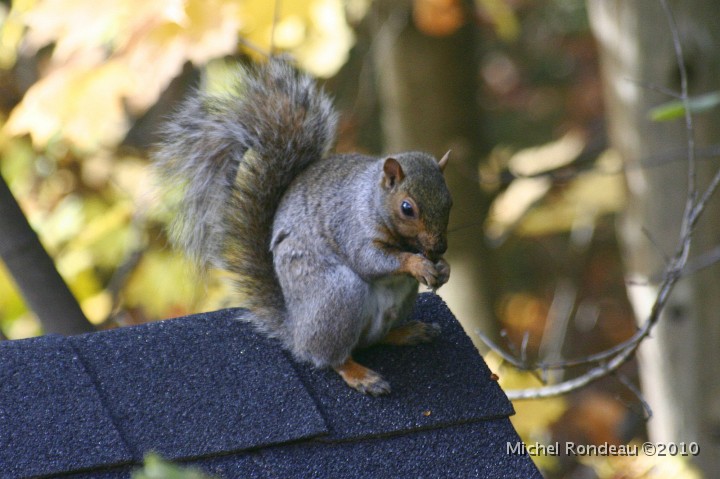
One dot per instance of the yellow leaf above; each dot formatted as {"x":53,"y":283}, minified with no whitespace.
{"x":11,"y":304}
{"x":11,"y":32}
{"x":109,"y":56}
{"x":315,"y":32}
{"x":82,"y":104}
{"x":502,"y":15}
{"x":163,"y":281}
{"x":156,"y":53}
{"x":591,"y":194}
{"x":328,"y":41}
{"x":97,"y":307}
{"x":65,"y":221}
{"x":108,"y":53}
{"x":533,"y":418}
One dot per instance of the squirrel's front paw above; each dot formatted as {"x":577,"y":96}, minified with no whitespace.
{"x":443,"y":269}
{"x":424,"y":270}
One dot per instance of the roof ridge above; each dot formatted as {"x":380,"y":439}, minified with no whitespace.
{"x":210,"y":390}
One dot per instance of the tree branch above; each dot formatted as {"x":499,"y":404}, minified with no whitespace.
{"x":34,"y":272}
{"x":610,"y":360}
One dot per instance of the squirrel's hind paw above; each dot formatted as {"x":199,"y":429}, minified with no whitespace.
{"x":409,"y":334}
{"x":362,"y":379}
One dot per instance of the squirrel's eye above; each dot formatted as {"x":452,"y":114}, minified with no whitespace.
{"x":407,"y":208}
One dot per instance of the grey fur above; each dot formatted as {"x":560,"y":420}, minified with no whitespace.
{"x":300,"y":229}
{"x":233,"y":157}
{"x":341,"y":290}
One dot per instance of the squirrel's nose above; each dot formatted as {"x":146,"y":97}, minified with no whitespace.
{"x":437,"y":250}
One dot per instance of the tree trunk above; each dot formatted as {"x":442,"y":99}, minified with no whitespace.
{"x":680,"y":363}
{"x":427,"y":89}
{"x":34,"y":272}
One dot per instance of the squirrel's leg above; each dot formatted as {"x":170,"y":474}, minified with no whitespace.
{"x":414,"y":332}
{"x":361,"y":378}
{"x":326,"y":318}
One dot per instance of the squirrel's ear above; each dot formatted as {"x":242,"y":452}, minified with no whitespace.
{"x":444,"y":161}
{"x":394,"y":173}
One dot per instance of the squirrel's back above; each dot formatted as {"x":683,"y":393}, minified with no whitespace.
{"x":329,"y":250}
{"x":234,"y":156}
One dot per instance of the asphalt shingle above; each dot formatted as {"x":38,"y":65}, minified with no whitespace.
{"x":52,"y":419}
{"x":444,"y":382}
{"x":199,"y":385}
{"x":209,"y":391}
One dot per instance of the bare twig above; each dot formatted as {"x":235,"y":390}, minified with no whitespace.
{"x":507,"y":357}
{"x":276,"y":21}
{"x":689,"y":123}
{"x":609,"y":361}
{"x":254,"y":47}
{"x":523,"y":347}
{"x":647,"y":410}
{"x":655,"y":87}
{"x":655,"y":244}
{"x":565,"y":387}
{"x":702,"y":261}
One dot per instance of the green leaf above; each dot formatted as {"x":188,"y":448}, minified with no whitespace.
{"x":676,"y":108}
{"x":156,"y":468}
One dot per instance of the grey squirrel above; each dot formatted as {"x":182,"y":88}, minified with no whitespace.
{"x":327,"y":248}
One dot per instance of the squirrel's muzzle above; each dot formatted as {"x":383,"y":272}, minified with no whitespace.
{"x":435,"y":249}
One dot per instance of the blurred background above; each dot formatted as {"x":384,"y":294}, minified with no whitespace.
{"x":569,"y":172}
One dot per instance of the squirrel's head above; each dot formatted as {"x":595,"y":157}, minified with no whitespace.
{"x":417,"y":203}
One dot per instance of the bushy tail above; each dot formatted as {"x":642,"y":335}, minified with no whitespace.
{"x":233,"y":157}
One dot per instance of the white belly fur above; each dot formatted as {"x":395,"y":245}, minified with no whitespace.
{"x":384,"y":306}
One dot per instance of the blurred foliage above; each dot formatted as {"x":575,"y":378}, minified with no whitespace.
{"x":642,"y":467}
{"x":127,"y":52}
{"x":532,"y":419}
{"x":556,"y":192}
{"x":676,"y":109}
{"x":502,"y":15}
{"x":536,"y":420}
{"x":155,"y":467}
{"x":78,"y":75}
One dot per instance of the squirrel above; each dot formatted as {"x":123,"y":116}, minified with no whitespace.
{"x":328,"y":249}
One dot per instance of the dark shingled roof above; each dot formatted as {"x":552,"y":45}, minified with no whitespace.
{"x":207,"y":390}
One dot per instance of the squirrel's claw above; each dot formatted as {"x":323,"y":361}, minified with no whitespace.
{"x":362,"y":379}
{"x":443,"y":272}
{"x":425,"y":271}
{"x":374,"y":385}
